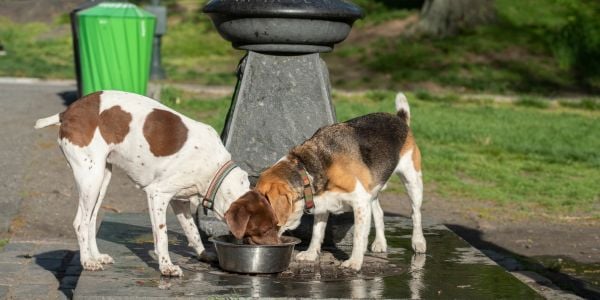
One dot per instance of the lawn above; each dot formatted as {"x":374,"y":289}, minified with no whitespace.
{"x":520,"y":53}
{"x":516,"y":155}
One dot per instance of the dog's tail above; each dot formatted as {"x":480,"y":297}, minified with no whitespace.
{"x":45,"y":122}
{"x":402,"y":109}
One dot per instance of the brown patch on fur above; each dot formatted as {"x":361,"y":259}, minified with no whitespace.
{"x":161,"y":226}
{"x":410,"y":144}
{"x":79,"y":121}
{"x":274,"y":184}
{"x":165,"y":132}
{"x":114,"y":124}
{"x":343,"y":173}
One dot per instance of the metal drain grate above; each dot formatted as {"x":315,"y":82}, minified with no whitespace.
{"x":328,"y":268}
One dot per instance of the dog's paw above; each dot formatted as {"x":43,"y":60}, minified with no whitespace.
{"x":418,"y":244}
{"x":353,"y":264}
{"x":171,"y":270}
{"x":307,"y":255}
{"x":379,"y":246}
{"x":105,"y":259}
{"x":206,"y":256}
{"x":92,"y":265}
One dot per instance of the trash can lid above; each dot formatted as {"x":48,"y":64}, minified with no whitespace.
{"x":116,"y":10}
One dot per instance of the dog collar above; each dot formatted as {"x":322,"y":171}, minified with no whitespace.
{"x":209,"y":197}
{"x":307,"y":190}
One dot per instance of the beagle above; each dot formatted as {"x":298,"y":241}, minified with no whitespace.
{"x":343,"y":167}
{"x":174,"y":159}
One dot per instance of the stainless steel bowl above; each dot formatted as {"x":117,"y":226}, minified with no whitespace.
{"x":241,"y":258}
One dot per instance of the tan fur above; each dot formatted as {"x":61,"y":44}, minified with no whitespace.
{"x":114,"y":124}
{"x":273,"y":185}
{"x":409,"y":145}
{"x":343,"y":173}
{"x":416,"y":158}
{"x":79,"y":121}
{"x":165,"y":132}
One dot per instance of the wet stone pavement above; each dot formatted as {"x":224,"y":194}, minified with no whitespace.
{"x":41,"y":269}
{"x":450,"y":269}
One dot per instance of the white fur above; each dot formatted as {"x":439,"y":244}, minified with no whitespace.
{"x":413,"y":182}
{"x":359,"y":201}
{"x":51,"y":120}
{"x":402,"y":104}
{"x":178,"y":177}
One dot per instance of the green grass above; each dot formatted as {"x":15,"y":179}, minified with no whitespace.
{"x":512,"y":155}
{"x":3,"y":242}
{"x":513,"y":55}
{"x":36,"y":50}
{"x":533,"y":102}
{"x":193,"y":51}
{"x":211,"y":111}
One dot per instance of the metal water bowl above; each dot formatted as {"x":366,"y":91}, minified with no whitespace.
{"x":234,"y":256}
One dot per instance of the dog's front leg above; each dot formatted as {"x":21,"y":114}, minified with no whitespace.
{"x":362,"y":225}
{"x":184,"y":214}
{"x":318,"y":233}
{"x":158,"y":203}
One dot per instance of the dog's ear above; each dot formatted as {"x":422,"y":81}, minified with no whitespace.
{"x":280,"y":197}
{"x":237,"y":218}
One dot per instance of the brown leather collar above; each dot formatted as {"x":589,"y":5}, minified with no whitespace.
{"x":307,"y":189}
{"x":209,"y":197}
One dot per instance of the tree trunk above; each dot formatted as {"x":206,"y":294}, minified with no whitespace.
{"x":447,"y":17}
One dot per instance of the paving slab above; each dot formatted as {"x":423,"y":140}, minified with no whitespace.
{"x":4,"y":291}
{"x":450,"y":269}
{"x":37,"y":269}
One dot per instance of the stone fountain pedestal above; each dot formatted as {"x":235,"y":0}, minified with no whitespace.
{"x":283,"y":92}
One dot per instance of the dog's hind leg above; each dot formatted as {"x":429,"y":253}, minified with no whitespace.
{"x":380,"y":243}
{"x":409,"y":170}
{"x":184,"y":214}
{"x":96,"y":255}
{"x":89,"y":174}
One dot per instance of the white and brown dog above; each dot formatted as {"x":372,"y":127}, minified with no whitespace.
{"x":173,"y":158}
{"x":345,"y":165}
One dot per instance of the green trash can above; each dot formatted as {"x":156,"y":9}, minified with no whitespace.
{"x":115,"y":47}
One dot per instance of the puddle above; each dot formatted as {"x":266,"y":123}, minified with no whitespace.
{"x":586,"y":272}
{"x":450,"y":269}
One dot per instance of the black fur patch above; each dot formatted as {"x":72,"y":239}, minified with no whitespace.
{"x":376,"y":139}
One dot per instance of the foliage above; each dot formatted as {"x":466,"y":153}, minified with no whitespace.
{"x":3,"y":242}
{"x":589,"y":104}
{"x":571,"y":28}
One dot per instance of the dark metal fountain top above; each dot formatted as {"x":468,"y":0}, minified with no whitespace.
{"x":303,"y":9}
{"x":296,"y":26}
